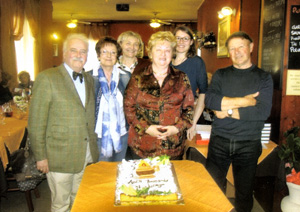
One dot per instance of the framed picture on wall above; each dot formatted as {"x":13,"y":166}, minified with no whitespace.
{"x":223,"y":34}
{"x":55,"y":50}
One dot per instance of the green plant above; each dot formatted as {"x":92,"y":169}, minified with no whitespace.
{"x":290,"y":150}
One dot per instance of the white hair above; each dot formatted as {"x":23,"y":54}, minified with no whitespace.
{"x":72,"y":36}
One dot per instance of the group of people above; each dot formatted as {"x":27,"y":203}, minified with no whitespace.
{"x":23,"y":88}
{"x":136,"y":108}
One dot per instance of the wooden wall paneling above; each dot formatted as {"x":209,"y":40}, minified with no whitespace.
{"x":208,"y":22}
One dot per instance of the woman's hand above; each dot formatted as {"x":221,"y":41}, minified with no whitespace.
{"x":191,"y":132}
{"x":161,"y":132}
{"x":153,"y":130}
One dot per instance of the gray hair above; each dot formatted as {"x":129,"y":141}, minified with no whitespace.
{"x":79,"y":36}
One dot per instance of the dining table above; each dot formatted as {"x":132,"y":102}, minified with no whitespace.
{"x":268,"y":165}
{"x":11,"y":135}
{"x":267,"y":149}
{"x":200,"y":192}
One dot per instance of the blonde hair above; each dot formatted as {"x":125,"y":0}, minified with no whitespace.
{"x":125,"y":35}
{"x":24,"y":73}
{"x":160,"y":37}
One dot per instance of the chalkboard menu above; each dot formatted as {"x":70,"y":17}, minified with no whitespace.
{"x":273,"y":39}
{"x":294,"y":47}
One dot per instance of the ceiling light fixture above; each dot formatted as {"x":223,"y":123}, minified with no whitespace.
{"x":71,"y":25}
{"x":155,"y":24}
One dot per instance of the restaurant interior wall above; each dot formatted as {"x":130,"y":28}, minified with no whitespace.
{"x":46,"y":31}
{"x":144,"y":29}
{"x":247,"y":19}
{"x":208,"y":22}
{"x":284,"y":114}
{"x":115,"y":28}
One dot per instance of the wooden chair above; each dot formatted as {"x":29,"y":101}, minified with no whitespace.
{"x":12,"y":186}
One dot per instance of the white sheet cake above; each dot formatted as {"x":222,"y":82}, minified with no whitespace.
{"x":147,"y":181}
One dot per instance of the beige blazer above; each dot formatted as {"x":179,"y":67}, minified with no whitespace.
{"x":59,"y":125}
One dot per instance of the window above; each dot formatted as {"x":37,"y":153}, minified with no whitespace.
{"x":92,"y":60}
{"x":24,"y":51}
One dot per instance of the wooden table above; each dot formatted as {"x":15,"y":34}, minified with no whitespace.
{"x":267,"y":148}
{"x":200,"y":192}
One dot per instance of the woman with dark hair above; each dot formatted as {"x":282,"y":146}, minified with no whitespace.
{"x":187,"y":61}
{"x":110,"y":86}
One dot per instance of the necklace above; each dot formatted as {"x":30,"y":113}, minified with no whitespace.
{"x":125,"y":63}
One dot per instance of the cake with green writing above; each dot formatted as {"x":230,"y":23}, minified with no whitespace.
{"x":147,"y":181}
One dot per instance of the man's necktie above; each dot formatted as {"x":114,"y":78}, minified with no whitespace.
{"x":75,"y":75}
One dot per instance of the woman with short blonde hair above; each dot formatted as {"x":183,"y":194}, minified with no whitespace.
{"x":160,"y":37}
{"x":131,"y":44}
{"x":158,"y":104}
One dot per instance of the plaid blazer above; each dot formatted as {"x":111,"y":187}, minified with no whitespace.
{"x":59,"y":125}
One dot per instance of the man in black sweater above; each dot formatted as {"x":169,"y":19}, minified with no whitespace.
{"x":241,"y":98}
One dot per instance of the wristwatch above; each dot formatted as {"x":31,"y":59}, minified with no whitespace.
{"x":230,"y":112}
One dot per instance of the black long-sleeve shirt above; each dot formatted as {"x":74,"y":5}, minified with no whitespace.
{"x":233,"y":82}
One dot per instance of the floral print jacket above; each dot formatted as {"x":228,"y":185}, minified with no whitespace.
{"x":146,"y":103}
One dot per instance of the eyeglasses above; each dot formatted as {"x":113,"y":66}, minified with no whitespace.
{"x":108,"y":52}
{"x":184,"y":39}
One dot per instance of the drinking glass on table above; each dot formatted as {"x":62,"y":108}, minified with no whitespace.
{"x":7,"y":109}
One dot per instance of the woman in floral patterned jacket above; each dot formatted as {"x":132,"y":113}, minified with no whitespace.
{"x":158,"y":104}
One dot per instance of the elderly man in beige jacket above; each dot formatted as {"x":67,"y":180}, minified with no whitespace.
{"x":61,"y":123}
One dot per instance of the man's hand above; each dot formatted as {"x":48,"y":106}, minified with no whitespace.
{"x":221,"y":114}
{"x":238,"y":102}
{"x":250,"y":99}
{"x":42,"y":166}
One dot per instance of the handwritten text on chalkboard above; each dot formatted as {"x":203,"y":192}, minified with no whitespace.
{"x":294,"y":47}
{"x":272,"y":40}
